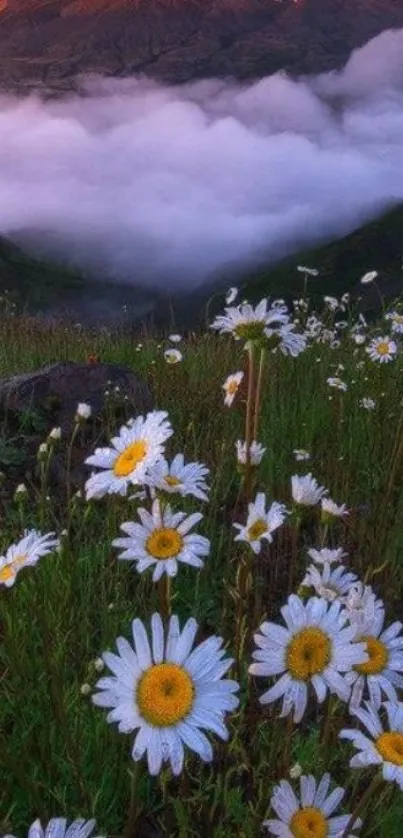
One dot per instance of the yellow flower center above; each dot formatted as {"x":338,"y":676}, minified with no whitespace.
{"x":172,"y":481}
{"x":6,"y":573}
{"x":164,"y":543}
{"x":257,"y":529}
{"x":390,"y":747}
{"x":232,"y":387}
{"x":252,"y":330}
{"x":383,"y":348}
{"x":130,"y":458}
{"x":309,"y":823}
{"x":308,"y":653}
{"x":165,"y":694}
{"x":378,"y":657}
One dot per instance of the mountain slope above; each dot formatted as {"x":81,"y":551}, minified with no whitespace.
{"x":374,"y":246}
{"x":49,"y":42}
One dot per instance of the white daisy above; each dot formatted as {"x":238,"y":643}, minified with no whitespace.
{"x":175,"y":338}
{"x":386,"y":747}
{"x":327,"y":583}
{"x":337,"y":383}
{"x":383,"y":671}
{"x":168,"y":692}
{"x":139,"y":445}
{"x":256,"y":452}
{"x":308,"y":817}
{"x":368,"y":277}
{"x":57,"y":828}
{"x":326,"y":556}
{"x":313,"y":650}
{"x":359,"y":339}
{"x":162,"y":540}
{"x":306,"y":490}
{"x":368,"y":404}
{"x":397,"y":322}
{"x":231,"y":387}
{"x":285,"y":340}
{"x":231,"y":295}
{"x":173,"y":356}
{"x":247,"y":323}
{"x":25,"y":553}
{"x":382,"y":350}
{"x":261,"y":524}
{"x":331,"y":302}
{"x":301,"y":455}
{"x":330,"y":509}
{"x":309,"y":271}
{"x":178,"y":477}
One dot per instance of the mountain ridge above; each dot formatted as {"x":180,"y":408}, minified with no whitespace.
{"x":49,"y":44}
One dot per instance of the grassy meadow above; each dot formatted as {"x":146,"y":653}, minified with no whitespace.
{"x":59,"y":756}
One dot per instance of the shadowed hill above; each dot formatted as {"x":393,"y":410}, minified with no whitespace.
{"x":47,"y":43}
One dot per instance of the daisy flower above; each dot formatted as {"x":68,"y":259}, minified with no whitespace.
{"x":359,"y":339}
{"x":231,"y":387}
{"x":363,"y":606}
{"x":57,"y":828}
{"x":382,"y":350}
{"x":173,"y":356}
{"x":169,"y":691}
{"x":383,"y":671}
{"x":301,"y":455}
{"x":25,"y":553}
{"x":385,"y":747}
{"x":309,"y":271}
{"x":231,"y":295}
{"x":368,"y":277}
{"x":309,"y":816}
{"x":327,"y":583}
{"x":368,"y":404}
{"x":306,"y":490}
{"x":256,"y":452}
{"x":337,"y":383}
{"x":139,"y":445}
{"x":247,"y":323}
{"x":326,"y":556}
{"x":162,"y":540}
{"x":312,"y":651}
{"x":286,"y":340}
{"x":177,"y":477}
{"x":331,"y":510}
{"x":261,"y":524}
{"x":397,"y":322}
{"x":331,"y":302}
{"x":175,"y":338}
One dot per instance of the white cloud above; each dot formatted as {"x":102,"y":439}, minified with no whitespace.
{"x":168,"y":185}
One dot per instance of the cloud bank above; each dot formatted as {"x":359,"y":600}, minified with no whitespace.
{"x":171,"y":186}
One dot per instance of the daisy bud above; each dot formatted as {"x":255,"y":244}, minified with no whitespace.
{"x":85,"y":689}
{"x":83,"y":411}
{"x":295,"y":771}
{"x":55,"y":434}
{"x":20,"y":492}
{"x":42,"y":451}
{"x":99,"y":665}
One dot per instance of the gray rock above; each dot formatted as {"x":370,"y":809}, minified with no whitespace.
{"x":55,"y":390}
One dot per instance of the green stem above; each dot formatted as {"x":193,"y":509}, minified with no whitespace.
{"x":130,"y":828}
{"x":258,"y":393}
{"x":362,"y":804}
{"x":248,"y":423}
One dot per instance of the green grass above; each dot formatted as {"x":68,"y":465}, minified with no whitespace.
{"x":58,"y":754}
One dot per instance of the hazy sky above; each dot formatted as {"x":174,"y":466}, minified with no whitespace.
{"x":171,"y":184}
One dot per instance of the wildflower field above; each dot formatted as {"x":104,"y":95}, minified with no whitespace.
{"x":206,"y":640}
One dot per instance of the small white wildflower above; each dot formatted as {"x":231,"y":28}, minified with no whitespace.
{"x":55,"y":433}
{"x":330,"y":510}
{"x":231,"y":295}
{"x":301,"y":455}
{"x":231,"y":386}
{"x":368,"y":277}
{"x":172,"y":356}
{"x":256,"y":452}
{"x":85,"y":689}
{"x":306,"y":490}
{"x":21,"y":490}
{"x":83,"y":411}
{"x":99,"y":665}
{"x":295,"y":771}
{"x":367,"y":404}
{"x":337,"y":383}
{"x":175,"y":338}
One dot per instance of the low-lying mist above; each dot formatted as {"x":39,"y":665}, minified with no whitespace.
{"x":169,"y":187}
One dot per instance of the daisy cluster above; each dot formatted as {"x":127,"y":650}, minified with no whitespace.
{"x":171,"y":693}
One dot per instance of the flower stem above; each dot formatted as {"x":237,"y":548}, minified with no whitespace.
{"x":132,"y":817}
{"x":248,"y":423}
{"x":258,"y":393}
{"x":164,"y":590}
{"x":362,"y":804}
